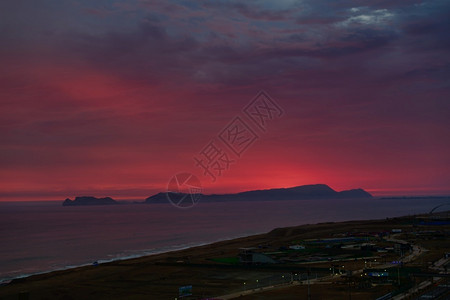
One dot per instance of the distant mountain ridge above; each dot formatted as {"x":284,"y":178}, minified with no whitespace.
{"x":88,"y":200}
{"x":314,"y":191}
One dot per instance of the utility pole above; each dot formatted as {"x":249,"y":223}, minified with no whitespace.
{"x":349,"y":276}
{"x":349,"y":290}
{"x":307,"y":279}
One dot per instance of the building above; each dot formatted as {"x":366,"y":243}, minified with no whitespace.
{"x":402,"y":249}
{"x":249,"y":256}
{"x":297,"y":247}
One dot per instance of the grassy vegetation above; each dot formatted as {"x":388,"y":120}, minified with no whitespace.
{"x":226,"y":260}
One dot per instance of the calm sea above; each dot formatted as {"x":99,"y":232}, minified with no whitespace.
{"x":42,"y":236}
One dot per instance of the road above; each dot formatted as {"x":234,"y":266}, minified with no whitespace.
{"x":417,"y":250}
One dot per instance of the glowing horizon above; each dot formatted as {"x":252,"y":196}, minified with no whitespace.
{"x":113,"y":99}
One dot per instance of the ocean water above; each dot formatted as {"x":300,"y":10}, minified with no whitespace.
{"x":43,"y":236}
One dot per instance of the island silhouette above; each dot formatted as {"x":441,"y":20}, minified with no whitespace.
{"x":313,"y":191}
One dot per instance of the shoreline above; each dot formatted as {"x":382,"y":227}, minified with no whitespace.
{"x":176,"y":248}
{"x":161,"y":274}
{"x":145,"y":253}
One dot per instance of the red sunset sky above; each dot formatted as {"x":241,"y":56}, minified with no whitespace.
{"x":112,"y":98}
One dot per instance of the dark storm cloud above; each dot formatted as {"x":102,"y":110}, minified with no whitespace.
{"x":250,"y":10}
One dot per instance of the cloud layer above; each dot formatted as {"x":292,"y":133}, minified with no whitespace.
{"x":113,"y":98}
